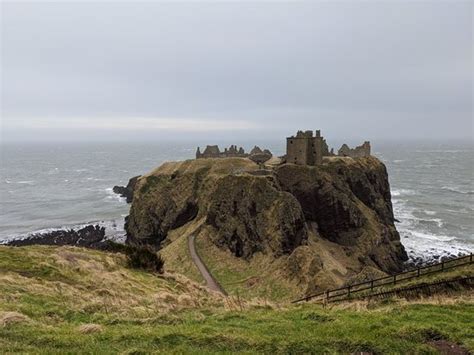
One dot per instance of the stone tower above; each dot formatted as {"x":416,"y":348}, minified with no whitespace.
{"x":306,"y":149}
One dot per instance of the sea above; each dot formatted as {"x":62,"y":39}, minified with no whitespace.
{"x":46,"y":186}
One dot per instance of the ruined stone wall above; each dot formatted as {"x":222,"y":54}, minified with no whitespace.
{"x":213,"y":151}
{"x":358,"y":152}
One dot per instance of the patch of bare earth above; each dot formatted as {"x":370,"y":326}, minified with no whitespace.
{"x":447,"y":347}
{"x":8,"y":318}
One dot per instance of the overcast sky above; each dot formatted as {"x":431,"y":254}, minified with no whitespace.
{"x":123,"y":70}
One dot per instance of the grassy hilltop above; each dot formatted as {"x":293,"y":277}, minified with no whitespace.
{"x":69,"y":300}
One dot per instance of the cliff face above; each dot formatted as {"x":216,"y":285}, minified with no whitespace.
{"x":350,"y":202}
{"x":247,"y":213}
{"x":330,"y":222}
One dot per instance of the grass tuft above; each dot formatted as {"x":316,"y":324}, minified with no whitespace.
{"x":8,"y":318}
{"x":90,"y":328}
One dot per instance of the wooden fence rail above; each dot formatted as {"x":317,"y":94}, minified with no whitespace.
{"x":390,"y":280}
{"x":465,"y":281}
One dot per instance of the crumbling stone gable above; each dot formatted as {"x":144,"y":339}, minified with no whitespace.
{"x":358,"y":152}
{"x":212,"y":151}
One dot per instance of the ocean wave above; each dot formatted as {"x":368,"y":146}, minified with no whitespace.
{"x":400,"y":192}
{"x":438,"y":221}
{"x":444,"y":151}
{"x":457,"y":190}
{"x":26,"y":182}
{"x":431,"y":237}
{"x":111,"y":195}
{"x":408,"y":219}
{"x":396,"y":161}
{"x":418,"y":238}
{"x":94,"y":179}
{"x":22,"y":182}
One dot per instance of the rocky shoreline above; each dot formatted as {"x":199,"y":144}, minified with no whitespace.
{"x":93,"y":237}
{"x":90,"y":236}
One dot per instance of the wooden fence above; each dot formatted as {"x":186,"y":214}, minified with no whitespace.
{"x":347,"y":291}
{"x":467,"y":282}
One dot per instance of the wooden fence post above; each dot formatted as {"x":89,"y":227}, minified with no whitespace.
{"x":470,"y":259}
{"x":394,"y":279}
{"x":442,"y":265}
{"x":348,"y":291}
{"x":327,"y":294}
{"x":418,"y":272}
{"x":372,"y":285}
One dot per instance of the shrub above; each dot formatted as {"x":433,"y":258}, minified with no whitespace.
{"x":139,"y":256}
{"x":144,"y":257}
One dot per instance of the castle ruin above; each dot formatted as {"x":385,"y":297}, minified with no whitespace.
{"x":306,"y":149}
{"x":213,"y":151}
{"x":358,"y":152}
{"x":302,"y":149}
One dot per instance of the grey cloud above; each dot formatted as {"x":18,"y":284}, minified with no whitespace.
{"x":352,"y":68}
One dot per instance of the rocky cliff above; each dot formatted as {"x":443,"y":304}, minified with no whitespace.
{"x":330,"y":223}
{"x":127,"y":191}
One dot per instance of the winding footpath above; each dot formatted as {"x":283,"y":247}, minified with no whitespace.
{"x":211,"y":282}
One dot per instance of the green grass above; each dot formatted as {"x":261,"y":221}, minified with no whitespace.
{"x":259,"y":277}
{"x":150,"y":182}
{"x":297,"y":330}
{"x":58,"y":290}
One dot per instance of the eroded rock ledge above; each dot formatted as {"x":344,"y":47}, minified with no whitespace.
{"x":127,"y":191}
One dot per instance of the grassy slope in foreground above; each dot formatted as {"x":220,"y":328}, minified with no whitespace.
{"x":76,"y":300}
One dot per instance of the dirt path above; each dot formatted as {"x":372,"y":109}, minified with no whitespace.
{"x":210,"y":280}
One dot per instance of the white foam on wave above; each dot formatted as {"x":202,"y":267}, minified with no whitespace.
{"x":432,"y":237}
{"x":111,"y":195}
{"x":419,"y":243}
{"x":444,"y":151}
{"x":94,"y":179}
{"x":26,"y":182}
{"x":457,"y":190}
{"x":402,"y":192}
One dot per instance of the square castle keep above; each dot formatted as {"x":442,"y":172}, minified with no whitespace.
{"x":306,"y":149}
